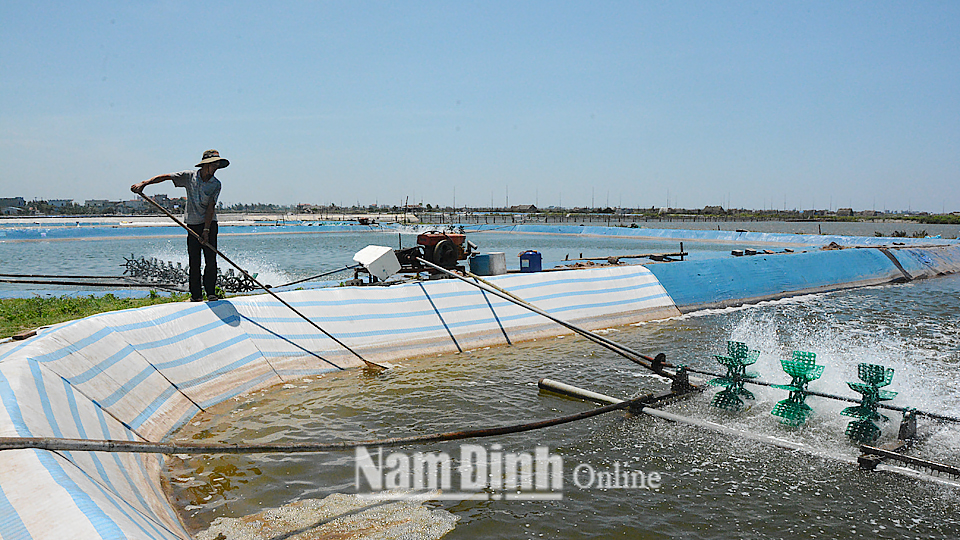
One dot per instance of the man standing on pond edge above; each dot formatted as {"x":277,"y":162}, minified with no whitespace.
{"x":203,"y":188}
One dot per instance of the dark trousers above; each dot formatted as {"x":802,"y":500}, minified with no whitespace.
{"x":210,"y":257}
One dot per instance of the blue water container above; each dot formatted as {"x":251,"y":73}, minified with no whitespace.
{"x":530,"y":261}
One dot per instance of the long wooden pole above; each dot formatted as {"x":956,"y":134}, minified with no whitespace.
{"x":639,"y":256}
{"x":368,"y":363}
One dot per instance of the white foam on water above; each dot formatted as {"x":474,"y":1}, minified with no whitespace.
{"x":338,"y":516}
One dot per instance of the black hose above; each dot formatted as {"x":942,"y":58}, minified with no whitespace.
{"x":145,"y":447}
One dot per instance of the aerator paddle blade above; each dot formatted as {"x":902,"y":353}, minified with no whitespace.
{"x":875,"y":375}
{"x":728,"y":399}
{"x":862,"y":431}
{"x":741,"y":353}
{"x":792,"y":413}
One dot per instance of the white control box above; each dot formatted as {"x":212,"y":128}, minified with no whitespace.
{"x":380,"y":261}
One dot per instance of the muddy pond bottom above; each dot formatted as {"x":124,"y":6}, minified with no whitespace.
{"x":709,"y":485}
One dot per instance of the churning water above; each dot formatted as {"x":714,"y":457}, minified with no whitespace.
{"x":712,"y":486}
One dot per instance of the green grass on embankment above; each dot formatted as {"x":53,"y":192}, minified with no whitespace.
{"x":22,"y":314}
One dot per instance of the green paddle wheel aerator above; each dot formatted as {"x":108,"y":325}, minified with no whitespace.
{"x":739,"y":356}
{"x":802,"y":368}
{"x":863,"y":430}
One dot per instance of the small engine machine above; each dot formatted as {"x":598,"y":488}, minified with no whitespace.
{"x":444,"y":249}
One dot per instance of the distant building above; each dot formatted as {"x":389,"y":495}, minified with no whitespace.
{"x":868,"y":213}
{"x":14,"y":202}
{"x":60,"y":203}
{"x":712,"y":209}
{"x":162,"y":199}
{"x":10,"y":206}
{"x":844,"y":212}
{"x":133,"y":205}
{"x":523,"y":208}
{"x":100,"y":204}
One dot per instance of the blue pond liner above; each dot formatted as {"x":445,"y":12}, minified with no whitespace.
{"x":707,"y":235}
{"x":715,"y":283}
{"x":928,"y":262}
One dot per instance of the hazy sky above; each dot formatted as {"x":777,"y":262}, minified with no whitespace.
{"x":633,"y":103}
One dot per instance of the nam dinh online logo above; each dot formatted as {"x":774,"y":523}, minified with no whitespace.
{"x":480,"y":473}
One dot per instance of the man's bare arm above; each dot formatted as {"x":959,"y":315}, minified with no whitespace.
{"x":207,"y":219}
{"x":138,"y":187}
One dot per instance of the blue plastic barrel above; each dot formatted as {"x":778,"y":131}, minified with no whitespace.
{"x":530,"y":261}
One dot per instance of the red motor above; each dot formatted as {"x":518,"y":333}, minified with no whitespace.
{"x":443,"y":249}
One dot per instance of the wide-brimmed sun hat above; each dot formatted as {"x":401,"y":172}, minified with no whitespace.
{"x":211,"y":156}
